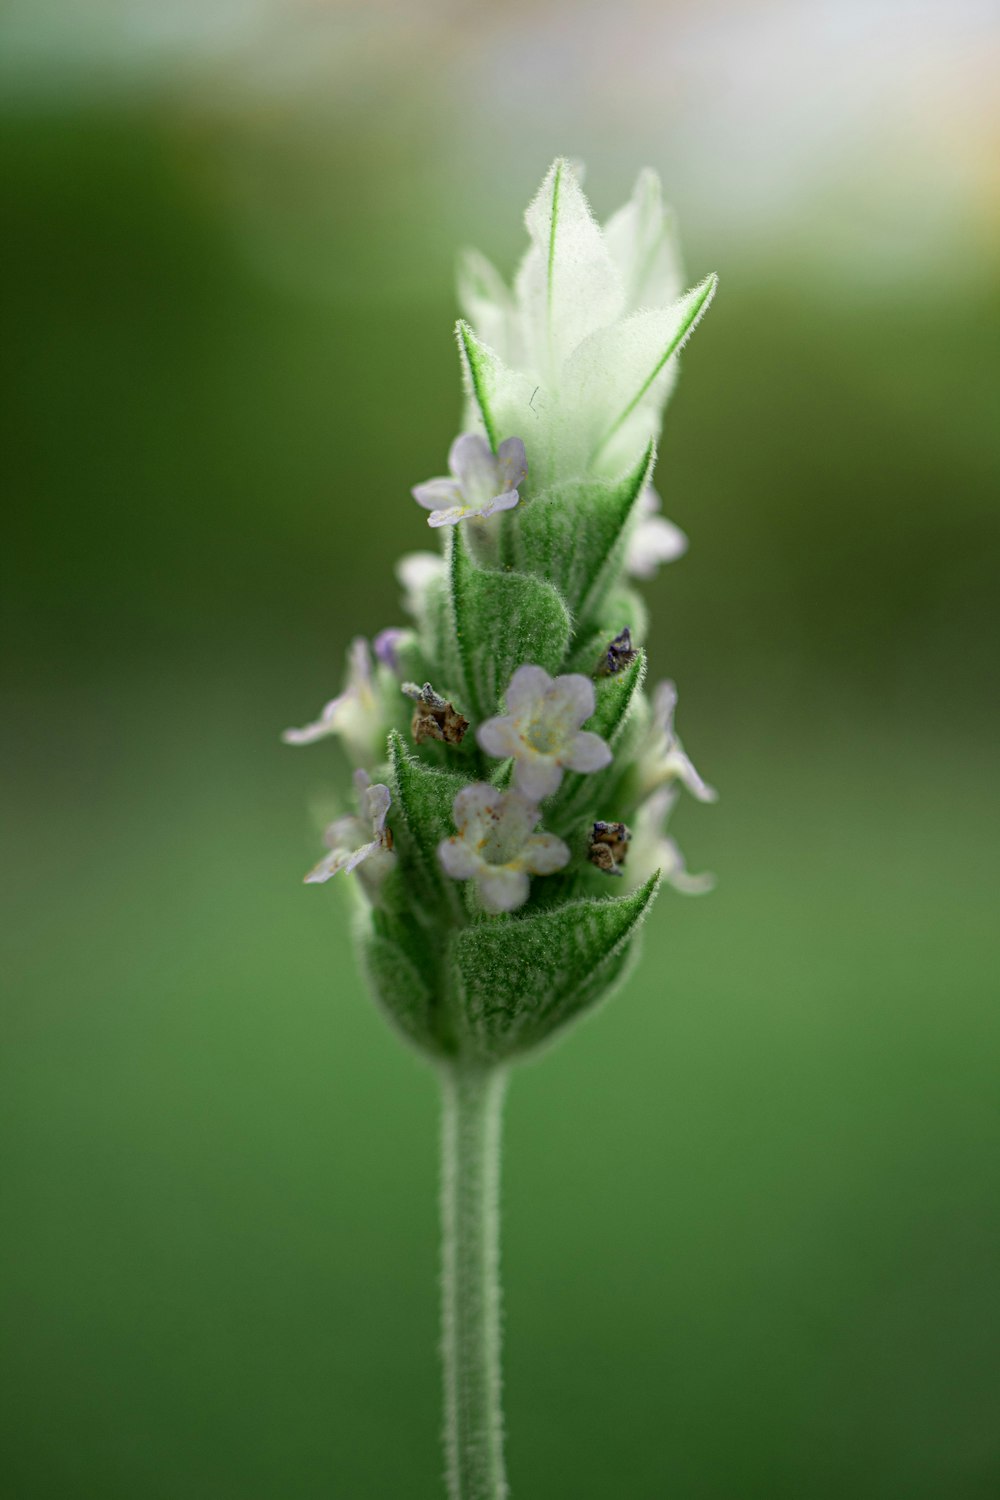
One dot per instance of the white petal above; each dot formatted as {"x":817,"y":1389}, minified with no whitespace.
{"x":512,"y":462}
{"x":346,"y":833}
{"x":588,"y":752}
{"x":664,"y":704}
{"x":376,"y":803}
{"x":675,"y":873}
{"x":567,"y":285}
{"x":375,"y":868}
{"x":537,"y":776}
{"x":657,"y":808}
{"x":654,"y":541}
{"x":359,"y":663}
{"x":476,"y":808}
{"x":329,"y":865}
{"x":499,"y":737}
{"x":436,"y":493}
{"x":518,"y":816}
{"x":324,"y":725}
{"x":448,"y":517}
{"x":417,"y":570}
{"x":571,"y":697}
{"x":360,"y":855}
{"x":475,"y":467}
{"x":526,"y":690}
{"x":458,"y":859}
{"x":502,"y":889}
{"x":627,"y":369}
{"x":506,"y":500}
{"x":681,"y":766}
{"x":544,"y":853}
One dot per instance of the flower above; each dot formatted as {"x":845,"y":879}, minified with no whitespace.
{"x":359,"y":841}
{"x":416,"y":571}
{"x":663,"y":758}
{"x":541,"y":730}
{"x":654,"y":540}
{"x":496,"y":847}
{"x":651,"y":849}
{"x":355,"y":714}
{"x":387,"y":644}
{"x":482,"y":482}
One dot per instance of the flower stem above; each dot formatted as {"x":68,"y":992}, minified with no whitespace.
{"x":470,"y":1283}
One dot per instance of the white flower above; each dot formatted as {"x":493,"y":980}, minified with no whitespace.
{"x":419,"y":572}
{"x":541,"y":730}
{"x":355,"y":714}
{"x":496,"y":847}
{"x":662,"y":759}
{"x":654,"y":539}
{"x":359,"y":841}
{"x":651,"y":849}
{"x":482,"y":482}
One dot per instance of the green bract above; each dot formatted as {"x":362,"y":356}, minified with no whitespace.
{"x":527,"y":775}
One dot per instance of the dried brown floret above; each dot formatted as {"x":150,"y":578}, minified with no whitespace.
{"x":619,"y":654}
{"x":434,"y":718}
{"x":608,"y":846}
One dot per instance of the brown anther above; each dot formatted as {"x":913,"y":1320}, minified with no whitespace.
{"x":619,"y":654}
{"x":608,"y":846}
{"x":434,"y":718}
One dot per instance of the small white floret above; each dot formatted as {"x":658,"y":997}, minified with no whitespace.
{"x":654,"y":540}
{"x":361,"y":840}
{"x":495,"y":846}
{"x":355,"y":714}
{"x":663,"y":759}
{"x":481,"y":482}
{"x":541,"y":730}
{"x":652,"y":849}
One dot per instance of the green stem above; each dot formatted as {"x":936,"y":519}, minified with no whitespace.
{"x":470,"y":1282}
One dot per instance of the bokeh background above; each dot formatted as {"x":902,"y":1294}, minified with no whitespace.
{"x":752,"y":1216}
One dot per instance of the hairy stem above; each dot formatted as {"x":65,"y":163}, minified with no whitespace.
{"x":470,"y":1176}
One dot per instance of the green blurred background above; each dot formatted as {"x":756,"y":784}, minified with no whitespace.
{"x":751,"y":1210}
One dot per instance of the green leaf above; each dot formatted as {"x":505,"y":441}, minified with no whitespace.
{"x":614,"y":700}
{"x":501,"y":621}
{"x":625,"y":371}
{"x":642,"y":241}
{"x":399,"y":986}
{"x":424,"y":798}
{"x":567,"y":285}
{"x":502,"y":396}
{"x":575,"y":535}
{"x":516,"y":982}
